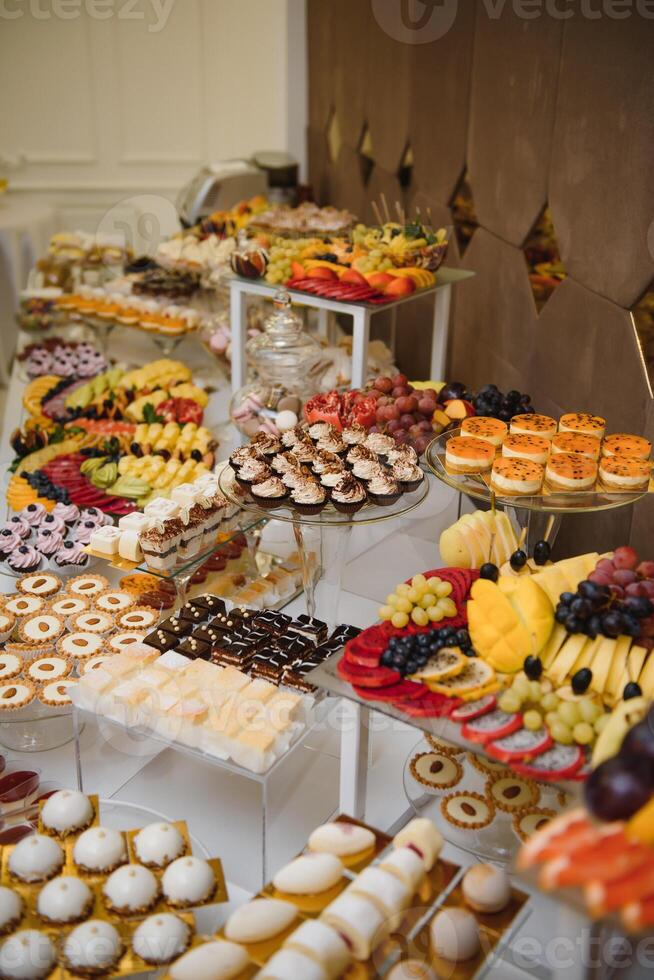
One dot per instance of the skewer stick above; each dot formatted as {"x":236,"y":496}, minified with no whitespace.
{"x":387,"y":213}
{"x":523,"y":537}
{"x":429,"y":218}
{"x":377,"y":213}
{"x":548,"y":528}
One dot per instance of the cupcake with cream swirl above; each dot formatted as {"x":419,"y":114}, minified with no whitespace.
{"x":348,"y":496}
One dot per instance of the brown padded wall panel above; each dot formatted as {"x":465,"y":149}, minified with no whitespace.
{"x":317,"y":159}
{"x":513,"y":97}
{"x":351,"y":30}
{"x":602,"y":174}
{"x":345,"y":184}
{"x":439,"y":98}
{"x":495,"y":321}
{"x":321,"y":62}
{"x":642,"y":525}
{"x":386,"y":106}
{"x":381,"y":181}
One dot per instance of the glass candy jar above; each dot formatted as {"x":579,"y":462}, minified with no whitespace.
{"x":285,"y":364}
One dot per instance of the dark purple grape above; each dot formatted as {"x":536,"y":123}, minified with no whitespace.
{"x":490,"y":571}
{"x":533,"y":668}
{"x":612,"y":623}
{"x":632,"y":690}
{"x":518,"y":560}
{"x":581,"y":680}
{"x":567,"y":597}
{"x":618,"y":788}
{"x":638,"y":605}
{"x":581,"y":607}
{"x":594,"y":625}
{"x":593,"y":591}
{"x":573,"y":624}
{"x":562,"y":613}
{"x":630,"y":625}
{"x":542,"y":552}
{"x":638,"y":743}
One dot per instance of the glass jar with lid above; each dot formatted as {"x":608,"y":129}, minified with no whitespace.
{"x":286,"y":364}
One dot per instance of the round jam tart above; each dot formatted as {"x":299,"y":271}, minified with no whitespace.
{"x":92,"y":948}
{"x":24,"y":605}
{"x":88,"y":585}
{"x":436,"y":770}
{"x":115,"y":602}
{"x":11,"y":909}
{"x":442,"y":746}
{"x":66,"y":811}
{"x":131,"y":888}
{"x":529,"y":821}
{"x":42,"y":628}
{"x":36,"y":858}
{"x":81,"y":645}
{"x":188,"y":881}
{"x":486,"y":766}
{"x":28,"y":953}
{"x":470,"y":811}
{"x":161,"y":938}
{"x":122,"y":641}
{"x":158,"y":844}
{"x":39,"y":583}
{"x":69,"y":605}
{"x":46,"y":669}
{"x":15,"y":694}
{"x":511,"y":793}
{"x":57,"y":692}
{"x":92,"y":622}
{"x":99,"y":849}
{"x":138,"y":618}
{"x":10,"y":666}
{"x":65,"y":899}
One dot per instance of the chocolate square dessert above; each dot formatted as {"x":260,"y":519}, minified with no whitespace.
{"x":196,"y":649}
{"x":308,"y":626}
{"x":161,"y":640}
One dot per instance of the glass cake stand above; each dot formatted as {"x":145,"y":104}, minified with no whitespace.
{"x":322,"y":539}
{"x":541,"y":514}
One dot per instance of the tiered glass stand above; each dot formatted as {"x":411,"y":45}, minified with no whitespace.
{"x":541,"y":515}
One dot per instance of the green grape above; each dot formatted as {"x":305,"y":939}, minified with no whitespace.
{"x":535,"y":691}
{"x":561,"y":733}
{"x":590,"y":711}
{"x":584,"y":734}
{"x":601,"y":723}
{"x":532,"y":720}
{"x":549,"y":702}
{"x":521,"y":686}
{"x":509,"y":702}
{"x":551,"y":718}
{"x":569,"y":713}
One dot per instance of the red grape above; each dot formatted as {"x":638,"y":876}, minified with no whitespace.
{"x":373,"y":393}
{"x":624,"y":576}
{"x":399,"y":379}
{"x":606,"y":566}
{"x":401,"y":436}
{"x":421,"y":444}
{"x":635,"y":588}
{"x":646,"y":569}
{"x":401,"y":391}
{"x":601,"y":578}
{"x":625,"y":557}
{"x":647,"y":588}
{"x":392,"y":413}
{"x":393,"y":426}
{"x":415,"y":431}
{"x":381,"y":414}
{"x":374,"y":428}
{"x":426,"y":425}
{"x":384,"y":384}
{"x":427,"y":406}
{"x":616,"y":590}
{"x":407,"y":420}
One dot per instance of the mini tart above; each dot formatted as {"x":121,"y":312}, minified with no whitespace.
{"x":114,"y":601}
{"x":39,"y":583}
{"x":24,"y":605}
{"x":7,"y":623}
{"x":69,"y":605}
{"x":92,"y":621}
{"x":512,"y":793}
{"x":589,"y":425}
{"x":88,"y":585}
{"x":625,"y":473}
{"x":441,"y":746}
{"x":622,"y":444}
{"x":469,"y":811}
{"x":88,"y":666}
{"x":436,"y":770}
{"x":486,"y":428}
{"x":57,"y":693}
{"x":81,"y":646}
{"x":529,"y":821}
{"x":11,"y":665}
{"x":533,"y":448}
{"x":576,"y":442}
{"x":486,"y":766}
{"x":516,"y":476}
{"x":15,"y":694}
{"x":46,"y":669}
{"x":42,"y":628}
{"x":123,"y":641}
{"x":533,"y":425}
{"x":570,"y":471}
{"x":138,"y":618}
{"x":463,"y":454}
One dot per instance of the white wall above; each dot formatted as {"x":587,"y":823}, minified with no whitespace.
{"x":105,"y":110}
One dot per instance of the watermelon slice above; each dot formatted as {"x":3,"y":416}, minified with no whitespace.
{"x":402,"y":691}
{"x":474,"y":709}
{"x":521,"y":744}
{"x":366,"y":676}
{"x":487,"y":727}
{"x":557,"y":763}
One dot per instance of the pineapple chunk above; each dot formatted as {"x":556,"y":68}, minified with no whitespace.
{"x":601,"y":665}
{"x":585,"y":658}
{"x":612,"y":689}
{"x":553,"y":645}
{"x":567,"y":658}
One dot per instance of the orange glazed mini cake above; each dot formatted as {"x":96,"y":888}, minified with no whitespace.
{"x":534,"y":448}
{"x":533,"y":425}
{"x":583,"y":422}
{"x":625,"y":472}
{"x":576,"y":442}
{"x":489,"y":429}
{"x":516,"y":476}
{"x":621,"y":444}
{"x":570,"y":471}
{"x":468,"y":455}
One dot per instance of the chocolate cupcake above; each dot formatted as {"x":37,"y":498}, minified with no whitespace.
{"x":305,"y":450}
{"x":354,"y":435}
{"x":292,"y":436}
{"x":252,"y":471}
{"x":331,"y":442}
{"x":358,"y":453}
{"x":319,"y":429}
{"x":331,"y":476}
{"x":242,"y":455}
{"x":348,"y":496}
{"x":309,"y":497}
{"x":382,"y":488}
{"x":408,"y":476}
{"x":266,"y":444}
{"x":25,"y":559}
{"x":270,"y":492}
{"x":380,"y":444}
{"x":324,"y":459}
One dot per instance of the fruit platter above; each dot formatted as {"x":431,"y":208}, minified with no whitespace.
{"x":110,"y":442}
{"x":538,"y":462}
{"x":535,"y":664}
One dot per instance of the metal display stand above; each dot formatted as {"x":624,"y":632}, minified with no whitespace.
{"x":361,"y":314}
